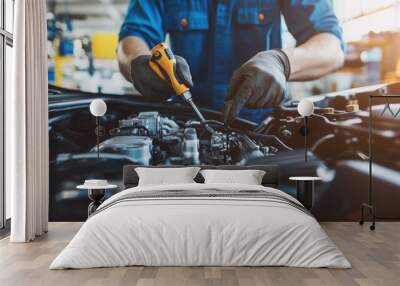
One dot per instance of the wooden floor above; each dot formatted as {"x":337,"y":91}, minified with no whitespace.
{"x":375,"y":257}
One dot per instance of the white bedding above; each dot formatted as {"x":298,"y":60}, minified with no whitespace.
{"x":200,"y":231}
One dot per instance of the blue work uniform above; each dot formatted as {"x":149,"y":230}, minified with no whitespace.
{"x":217,"y":36}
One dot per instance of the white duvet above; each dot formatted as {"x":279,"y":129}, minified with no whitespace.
{"x":200,"y":231}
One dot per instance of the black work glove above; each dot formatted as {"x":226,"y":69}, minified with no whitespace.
{"x":148,"y":83}
{"x":259,"y":83}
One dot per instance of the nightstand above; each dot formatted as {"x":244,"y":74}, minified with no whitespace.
{"x":96,"y":192}
{"x":305,"y":190}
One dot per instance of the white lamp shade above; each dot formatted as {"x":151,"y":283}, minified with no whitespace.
{"x":305,"y":107}
{"x":98,"y":107}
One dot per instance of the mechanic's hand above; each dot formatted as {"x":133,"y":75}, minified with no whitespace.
{"x":259,"y":83}
{"x":148,"y":83}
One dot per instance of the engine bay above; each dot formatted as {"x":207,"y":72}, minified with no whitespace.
{"x":138,"y":131}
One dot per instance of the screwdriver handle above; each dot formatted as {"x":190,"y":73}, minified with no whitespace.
{"x":163,"y":63}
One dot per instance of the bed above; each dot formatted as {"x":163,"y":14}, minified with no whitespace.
{"x":198,"y":224}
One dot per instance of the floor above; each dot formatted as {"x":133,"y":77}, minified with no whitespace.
{"x":375,"y":257}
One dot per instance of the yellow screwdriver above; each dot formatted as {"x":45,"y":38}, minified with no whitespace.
{"x":163,"y":63}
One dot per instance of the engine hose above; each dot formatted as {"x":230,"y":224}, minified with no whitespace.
{"x":250,"y":134}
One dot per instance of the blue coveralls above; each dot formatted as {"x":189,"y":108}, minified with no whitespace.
{"x":217,"y":36}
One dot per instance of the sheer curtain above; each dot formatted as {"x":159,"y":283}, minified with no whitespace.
{"x":27,"y":124}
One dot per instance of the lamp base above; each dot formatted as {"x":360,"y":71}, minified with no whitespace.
{"x":96,"y":196}
{"x":372,"y":213}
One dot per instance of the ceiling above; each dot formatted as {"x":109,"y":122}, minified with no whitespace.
{"x":91,"y":15}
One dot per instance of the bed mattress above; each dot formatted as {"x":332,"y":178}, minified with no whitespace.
{"x":201,"y":225}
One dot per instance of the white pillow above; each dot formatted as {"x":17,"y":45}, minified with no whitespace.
{"x":247,"y":177}
{"x":166,"y":176}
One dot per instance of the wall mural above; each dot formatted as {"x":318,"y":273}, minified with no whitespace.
{"x":144,"y":131}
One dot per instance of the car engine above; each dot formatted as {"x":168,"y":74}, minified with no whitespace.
{"x":150,"y":138}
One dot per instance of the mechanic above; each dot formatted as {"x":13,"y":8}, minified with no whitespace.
{"x":233,"y":48}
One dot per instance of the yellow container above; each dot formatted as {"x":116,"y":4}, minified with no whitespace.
{"x":64,"y":68}
{"x":104,"y":45}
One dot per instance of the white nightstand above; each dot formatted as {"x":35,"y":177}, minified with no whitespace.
{"x":96,"y":192}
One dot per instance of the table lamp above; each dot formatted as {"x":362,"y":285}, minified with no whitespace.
{"x":98,"y":108}
{"x":305,"y":108}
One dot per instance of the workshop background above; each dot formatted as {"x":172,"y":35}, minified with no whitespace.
{"x":83,"y":36}
{"x":82,"y":66}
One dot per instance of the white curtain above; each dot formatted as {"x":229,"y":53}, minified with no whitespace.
{"x":27,"y":173}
